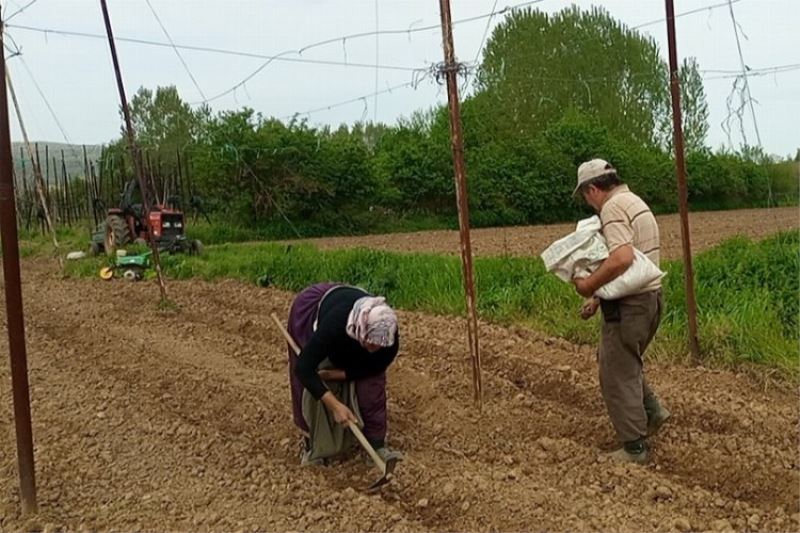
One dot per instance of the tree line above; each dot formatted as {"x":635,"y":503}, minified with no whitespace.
{"x":552,"y":91}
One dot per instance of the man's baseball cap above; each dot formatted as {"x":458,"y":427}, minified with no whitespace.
{"x":591,"y":170}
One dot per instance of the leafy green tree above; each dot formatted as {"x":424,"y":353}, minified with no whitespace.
{"x":164,"y":123}
{"x":538,"y":66}
{"x":694,"y":109}
{"x":693,"y":105}
{"x":414,"y":161}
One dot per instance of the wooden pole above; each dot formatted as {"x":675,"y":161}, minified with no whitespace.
{"x":48,"y":191}
{"x":683,"y":194}
{"x":95,"y":181}
{"x":25,"y":194}
{"x":35,"y":163}
{"x":14,"y":315}
{"x":67,"y":197}
{"x":457,"y":142}
{"x":89,"y":187}
{"x":135,"y":153}
{"x":179,"y":179}
{"x":57,"y":203}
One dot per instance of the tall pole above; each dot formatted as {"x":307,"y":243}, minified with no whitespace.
{"x":89,"y":187}
{"x":56,"y":201}
{"x":14,"y":315}
{"x":683,"y":195}
{"x":136,"y":155}
{"x":457,"y":141}
{"x":39,"y":184}
{"x":25,"y":196}
{"x":179,"y":179}
{"x":47,"y":190}
{"x":69,"y":209}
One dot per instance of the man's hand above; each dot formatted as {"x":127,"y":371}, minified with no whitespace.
{"x":583,"y":286}
{"x":589,"y":308}
{"x":614,"y":266}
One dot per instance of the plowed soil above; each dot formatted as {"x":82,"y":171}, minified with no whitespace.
{"x":180,"y":420}
{"x":708,"y":229}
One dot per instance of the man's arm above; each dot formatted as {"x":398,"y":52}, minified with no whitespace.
{"x":614,"y":266}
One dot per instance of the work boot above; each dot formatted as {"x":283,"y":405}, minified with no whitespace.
{"x":305,"y":455}
{"x":624,"y":456}
{"x":385,"y":454}
{"x":656,"y":415}
{"x":305,"y":459}
{"x":631,"y":452}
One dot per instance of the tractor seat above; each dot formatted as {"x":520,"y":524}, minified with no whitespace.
{"x":137,"y":210}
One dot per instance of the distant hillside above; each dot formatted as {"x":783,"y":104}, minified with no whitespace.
{"x":73,"y":157}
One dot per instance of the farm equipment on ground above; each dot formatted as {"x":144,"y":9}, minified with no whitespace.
{"x":165,"y":224}
{"x":129,"y":267}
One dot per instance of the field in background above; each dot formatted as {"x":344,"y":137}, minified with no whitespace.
{"x":708,"y":228}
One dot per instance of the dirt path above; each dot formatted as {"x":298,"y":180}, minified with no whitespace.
{"x":180,"y":421}
{"x":708,"y":229}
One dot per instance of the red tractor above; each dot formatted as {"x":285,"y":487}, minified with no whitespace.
{"x":129,"y":223}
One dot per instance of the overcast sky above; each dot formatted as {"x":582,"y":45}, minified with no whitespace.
{"x":76,"y":76}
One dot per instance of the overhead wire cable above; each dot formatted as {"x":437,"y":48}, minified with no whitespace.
{"x":744,"y":71}
{"x":376,"y":33}
{"x":685,"y":13}
{"x":20,"y":10}
{"x":480,"y":48}
{"x":208,"y":49}
{"x":177,"y":52}
{"x":377,"y":60}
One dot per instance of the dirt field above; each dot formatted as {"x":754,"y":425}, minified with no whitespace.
{"x":708,"y":229}
{"x":181,"y":421}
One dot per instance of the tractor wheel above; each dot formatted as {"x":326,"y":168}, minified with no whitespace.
{"x":117,"y":234}
{"x":133,"y":273}
{"x":196,"y":247}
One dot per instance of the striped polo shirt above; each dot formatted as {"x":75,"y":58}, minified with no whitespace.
{"x":627,"y":219}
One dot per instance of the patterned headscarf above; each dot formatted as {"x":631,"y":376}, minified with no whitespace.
{"x":372,"y":321}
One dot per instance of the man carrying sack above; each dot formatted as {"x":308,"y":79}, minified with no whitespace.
{"x":629,"y":323}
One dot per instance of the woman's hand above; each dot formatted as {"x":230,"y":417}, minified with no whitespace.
{"x":341,"y":413}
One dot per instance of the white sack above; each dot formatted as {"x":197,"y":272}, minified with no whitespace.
{"x":580,"y":253}
{"x":639,"y":275}
{"x":582,"y":248}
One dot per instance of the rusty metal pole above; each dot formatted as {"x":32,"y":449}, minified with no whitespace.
{"x":14,"y":314}
{"x":462,"y":199}
{"x":683,"y":195}
{"x":136,"y":155}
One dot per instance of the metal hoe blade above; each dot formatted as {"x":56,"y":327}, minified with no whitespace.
{"x":387,"y":475}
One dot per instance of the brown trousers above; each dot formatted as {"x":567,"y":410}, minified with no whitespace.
{"x":629,"y":324}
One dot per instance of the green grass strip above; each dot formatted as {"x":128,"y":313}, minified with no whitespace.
{"x":747,"y":292}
